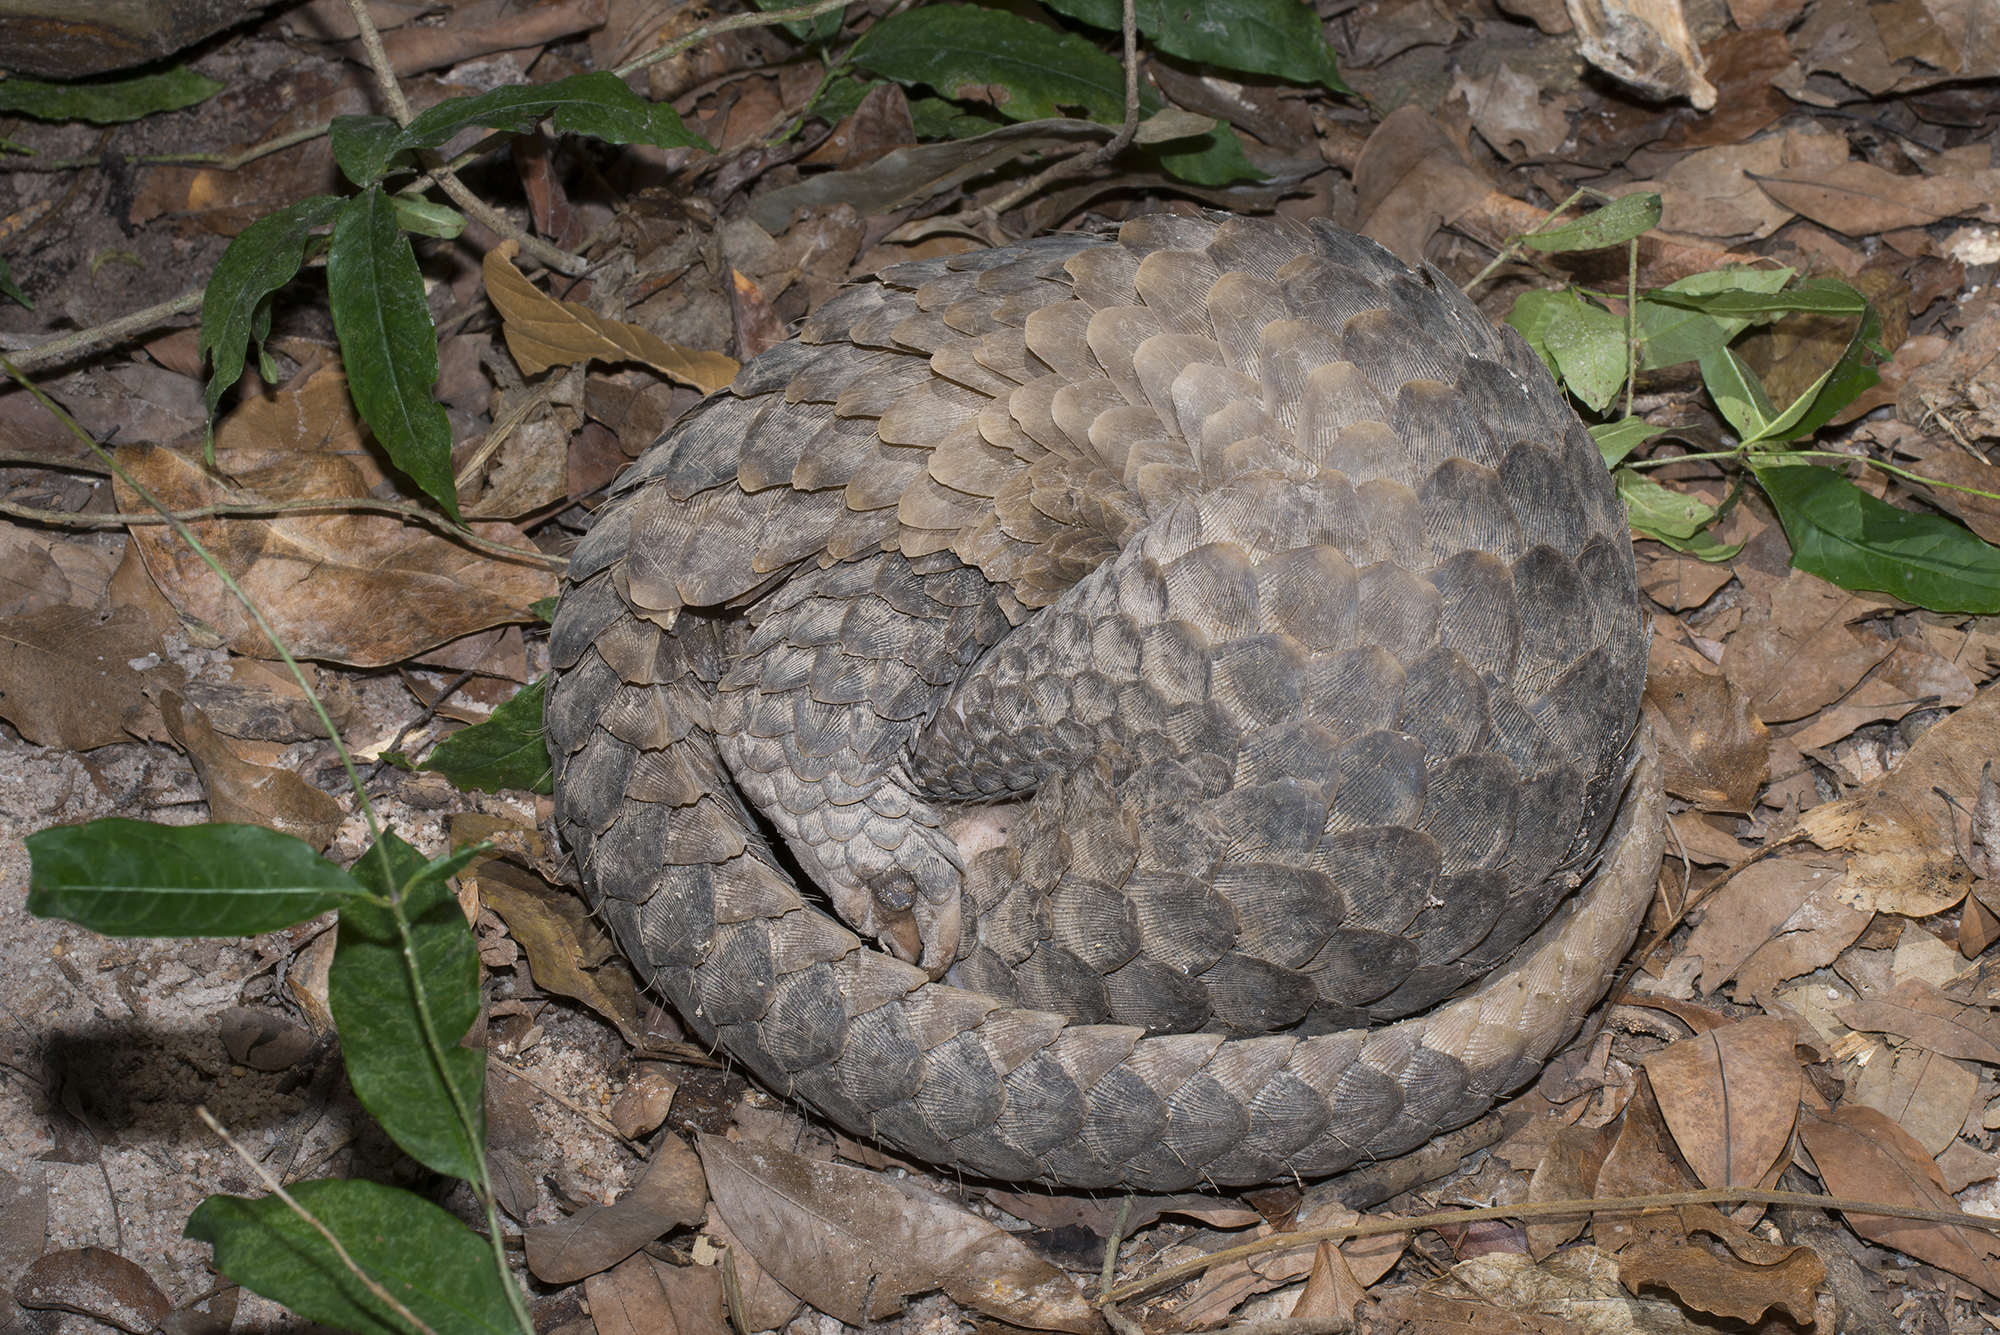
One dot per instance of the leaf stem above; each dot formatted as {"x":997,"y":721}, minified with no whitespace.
{"x":1513,"y":242}
{"x":277,"y":1188}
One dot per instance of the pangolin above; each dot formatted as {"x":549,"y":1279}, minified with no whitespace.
{"x":1145,"y":709}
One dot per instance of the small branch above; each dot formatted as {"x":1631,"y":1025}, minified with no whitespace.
{"x":277,"y":1188}
{"x":56,"y":349}
{"x":400,"y":509}
{"x":378,"y":61}
{"x":1131,"y":126}
{"x":227,"y":162}
{"x":721,"y":26}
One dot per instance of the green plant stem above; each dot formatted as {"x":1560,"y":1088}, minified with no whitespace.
{"x":277,"y":1188}
{"x":401,"y":509}
{"x":1632,"y":326}
{"x":42,"y":354}
{"x":755,"y":19}
{"x":1514,"y":242}
{"x":1830,"y":455}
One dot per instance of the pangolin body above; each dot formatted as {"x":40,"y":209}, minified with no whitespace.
{"x":1096,"y":709}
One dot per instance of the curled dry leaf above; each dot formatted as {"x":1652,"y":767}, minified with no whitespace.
{"x":1714,"y":749}
{"x":361,"y":589}
{"x":1864,"y":1156}
{"x":671,"y":1192}
{"x":1775,"y":920}
{"x":240,"y":793}
{"x":565,"y":945}
{"x":72,"y":678}
{"x":1730,"y":1097}
{"x":1915,"y":1010}
{"x":856,"y":1245}
{"x":543,"y":332}
{"x":1900,"y":838}
{"x":95,"y":1283}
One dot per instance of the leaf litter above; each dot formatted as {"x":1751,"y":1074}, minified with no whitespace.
{"x":1810,"y":1008}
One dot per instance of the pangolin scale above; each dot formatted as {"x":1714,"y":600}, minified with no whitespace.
{"x":1142,"y":710}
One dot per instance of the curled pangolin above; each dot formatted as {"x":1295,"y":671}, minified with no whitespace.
{"x":1095,"y":710}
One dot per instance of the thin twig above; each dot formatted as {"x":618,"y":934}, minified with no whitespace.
{"x":72,"y":464}
{"x":277,"y":1188}
{"x":400,"y":509}
{"x":1120,"y":140}
{"x":1124,"y":1206}
{"x":227,"y":162}
{"x":598,"y":1121}
{"x":56,"y":349}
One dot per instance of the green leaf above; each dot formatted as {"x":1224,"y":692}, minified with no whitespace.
{"x":235,"y":308}
{"x":1617,"y":439}
{"x":1276,"y":37}
{"x":1534,"y":311}
{"x":403,"y":1002}
{"x":388,"y":341}
{"x":1211,"y":159}
{"x":1620,"y":221}
{"x":1818,"y":296}
{"x":107,"y":102}
{"x":434,"y":1265}
{"x":133,"y":878}
{"x":506,"y":751}
{"x":597,"y":104}
{"x":366,"y":147}
{"x":817,"y":31}
{"x":1842,"y":534}
{"x":935,"y":118}
{"x":427,"y":219}
{"x":1587,"y":344}
{"x":544,"y":610}
{"x":8,"y":287}
{"x":1845,"y":382}
{"x":1675,"y":324}
{"x":1738,"y":393}
{"x":841,"y":96}
{"x":1025,"y":70}
{"x":1659,"y":511}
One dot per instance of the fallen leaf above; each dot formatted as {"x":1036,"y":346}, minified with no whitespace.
{"x":857,"y":1246}
{"x":564,"y":943}
{"x":646,"y":1296}
{"x":72,"y":678}
{"x":543,"y":332}
{"x":1679,"y":583}
{"x":1805,"y":657}
{"x":1410,"y":180}
{"x":24,"y":1226}
{"x":1901,"y":840}
{"x":1912,"y":677}
{"x":1926,"y":1094}
{"x":670,"y":1193}
{"x":38,"y":571}
{"x":1861,"y":199}
{"x":354,"y":588}
{"x":1774,"y":920}
{"x":482,"y":29}
{"x":95,"y":1283}
{"x":1724,"y":1285}
{"x":644,"y":1102}
{"x":1962,"y":1166}
{"x":1642,"y":1161}
{"x":240,"y":793}
{"x":1567,"y":1172}
{"x":1331,"y":1292}
{"x":1729,"y":1096}
{"x":1915,"y":1010}
{"x":1864,"y":1156}
{"x":1715,"y":752}
{"x":766,"y":1304}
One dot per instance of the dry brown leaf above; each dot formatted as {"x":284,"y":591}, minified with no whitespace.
{"x":1645,"y":43}
{"x":1805,"y":657}
{"x":1410,"y":180}
{"x":1962,"y":1166}
{"x":1642,"y":1161}
{"x":360,"y":589}
{"x":95,"y":1283}
{"x":1864,"y":1156}
{"x":568,"y":952}
{"x":72,"y":678}
{"x":1861,"y":199}
{"x":543,"y":332}
{"x":1723,"y":1284}
{"x":1715,"y":752}
{"x":670,"y":1193}
{"x":857,"y":1246}
{"x":37,"y":570}
{"x":1679,"y":583}
{"x":1567,"y":1172}
{"x":644,"y":1102}
{"x":1927,"y":1095}
{"x":1901,"y":840}
{"x":1729,"y":1096}
{"x":1331,"y":1292}
{"x":240,"y":793}
{"x":1913,"y":677}
{"x":1915,"y":1010}
{"x":261,"y":1038}
{"x":646,"y":1296}
{"x":1774,"y":920}
{"x":258,"y":701}
{"x":767,"y":1304}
